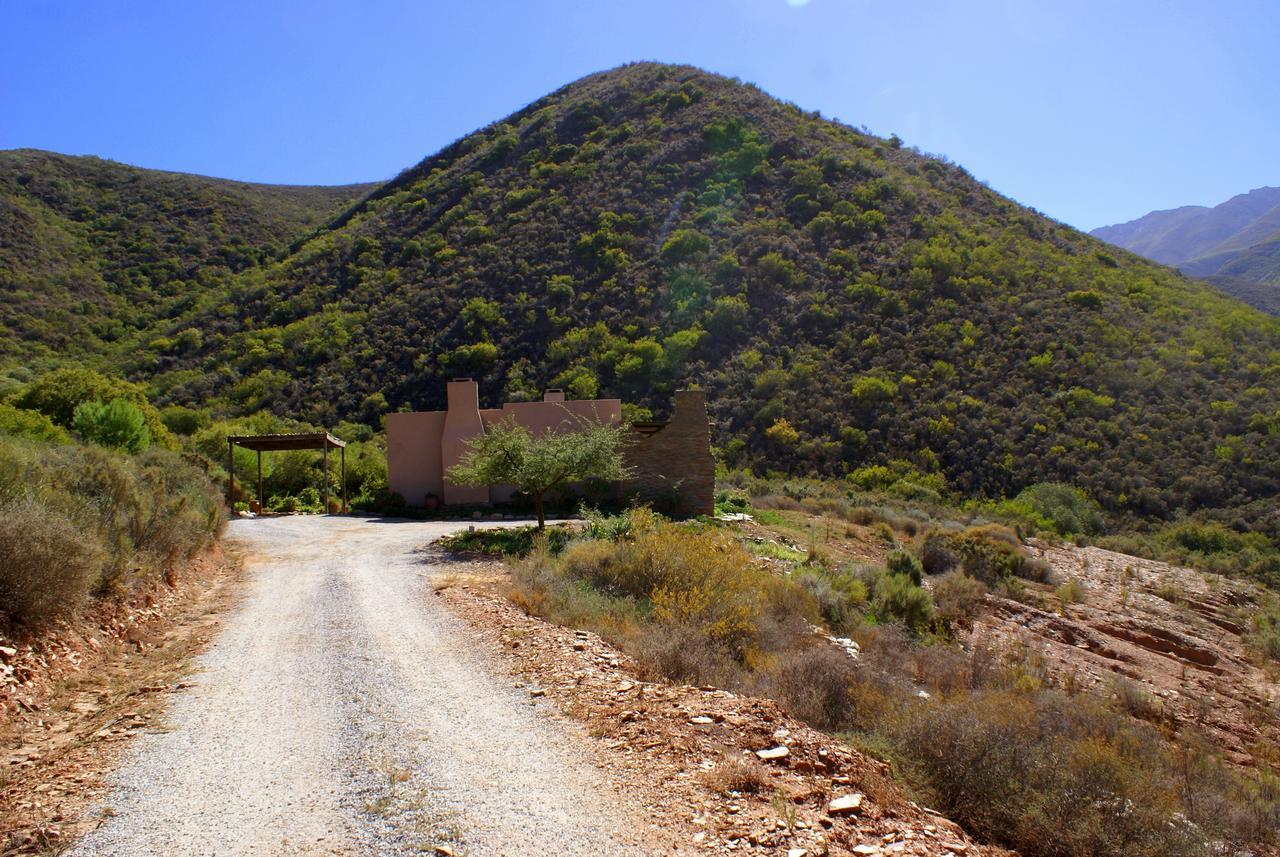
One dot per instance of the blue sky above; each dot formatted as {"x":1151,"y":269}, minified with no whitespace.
{"x":1092,"y":112}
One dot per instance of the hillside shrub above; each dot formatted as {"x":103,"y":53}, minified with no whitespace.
{"x":1048,"y":775}
{"x":897,"y":598}
{"x":1056,"y":506}
{"x":86,"y":521}
{"x":988,"y":554}
{"x":32,"y":425}
{"x":117,"y":424}
{"x":58,"y":394}
{"x":904,"y":563}
{"x":815,"y":684}
{"x":957,"y":597}
{"x":840,"y":596}
{"x":1264,"y":632}
{"x":47,"y":565}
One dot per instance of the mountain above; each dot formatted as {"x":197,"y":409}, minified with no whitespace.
{"x":91,"y":250}
{"x":1235,"y":245}
{"x":850,"y":305}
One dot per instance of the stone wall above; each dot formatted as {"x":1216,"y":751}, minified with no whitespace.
{"x":672,"y":463}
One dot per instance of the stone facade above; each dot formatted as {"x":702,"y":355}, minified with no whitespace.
{"x":672,"y":462}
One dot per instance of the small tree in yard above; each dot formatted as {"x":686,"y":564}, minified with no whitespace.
{"x":509,"y":454}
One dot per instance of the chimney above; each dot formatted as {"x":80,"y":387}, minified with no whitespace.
{"x":555,"y":394}
{"x":463,"y":394}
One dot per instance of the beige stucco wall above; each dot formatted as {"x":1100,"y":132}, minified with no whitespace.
{"x":413,"y":455}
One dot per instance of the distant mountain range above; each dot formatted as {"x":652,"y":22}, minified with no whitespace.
{"x":1235,"y":245}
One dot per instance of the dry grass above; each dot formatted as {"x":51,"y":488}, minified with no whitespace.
{"x":737,"y":774}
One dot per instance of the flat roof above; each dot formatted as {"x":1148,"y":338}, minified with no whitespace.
{"x":271,"y":442}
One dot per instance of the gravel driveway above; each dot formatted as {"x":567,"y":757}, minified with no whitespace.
{"x":341,"y":711}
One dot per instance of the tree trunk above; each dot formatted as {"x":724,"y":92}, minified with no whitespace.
{"x":537,"y":504}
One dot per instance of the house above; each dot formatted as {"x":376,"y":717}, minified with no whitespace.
{"x":671,"y":462}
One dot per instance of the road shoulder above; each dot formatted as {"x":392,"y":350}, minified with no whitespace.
{"x":72,"y":699}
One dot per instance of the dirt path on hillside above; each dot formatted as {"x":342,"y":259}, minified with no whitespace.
{"x":341,"y":711}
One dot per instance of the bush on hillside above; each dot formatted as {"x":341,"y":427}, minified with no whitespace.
{"x":116,"y":424}
{"x":988,"y":554}
{"x":47,"y":565}
{"x":32,"y":425}
{"x":957,"y":596}
{"x":59,"y":393}
{"x":897,"y":598}
{"x":1050,"y":776}
{"x":84,"y":521}
{"x":1056,"y":506}
{"x":901,"y":562}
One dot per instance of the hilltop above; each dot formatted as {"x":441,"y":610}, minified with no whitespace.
{"x":851,"y":305}
{"x":1235,"y":245}
{"x":92,"y":250}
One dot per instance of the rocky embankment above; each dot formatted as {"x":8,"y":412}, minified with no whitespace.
{"x":1168,"y":640}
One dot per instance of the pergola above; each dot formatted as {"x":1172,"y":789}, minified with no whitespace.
{"x":279,"y":442}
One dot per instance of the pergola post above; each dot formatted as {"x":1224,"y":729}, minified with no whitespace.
{"x":260,"y":501}
{"x":326,"y":477}
{"x":343,"y":457}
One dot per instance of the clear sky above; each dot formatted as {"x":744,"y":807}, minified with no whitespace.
{"x":1092,"y":112}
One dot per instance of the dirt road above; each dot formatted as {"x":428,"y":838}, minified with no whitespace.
{"x":341,"y":711}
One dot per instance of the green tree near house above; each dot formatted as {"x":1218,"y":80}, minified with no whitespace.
{"x":509,"y":454}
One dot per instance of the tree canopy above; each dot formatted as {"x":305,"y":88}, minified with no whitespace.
{"x":509,"y":454}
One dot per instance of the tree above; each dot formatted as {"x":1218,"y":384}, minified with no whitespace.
{"x":118,"y":424}
{"x":509,"y":454}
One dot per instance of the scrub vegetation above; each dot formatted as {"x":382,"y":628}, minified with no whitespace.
{"x":983,"y":733}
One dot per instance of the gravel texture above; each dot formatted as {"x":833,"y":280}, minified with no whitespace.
{"x":343,"y":711}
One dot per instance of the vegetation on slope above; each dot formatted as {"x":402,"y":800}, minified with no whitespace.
{"x":846,"y":302}
{"x":985,"y":734}
{"x":84,"y":521}
{"x":92,"y":251}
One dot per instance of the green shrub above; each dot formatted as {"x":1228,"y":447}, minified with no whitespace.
{"x":987,"y":553}
{"x":506,"y":541}
{"x":184,"y":421}
{"x":1056,"y":506}
{"x":839,"y":596}
{"x":59,"y":393}
{"x":897,"y":598}
{"x":901,"y":562}
{"x":118,"y":424}
{"x":31,"y":425}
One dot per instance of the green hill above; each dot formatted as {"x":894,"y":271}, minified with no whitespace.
{"x":851,"y":305}
{"x":92,"y":250}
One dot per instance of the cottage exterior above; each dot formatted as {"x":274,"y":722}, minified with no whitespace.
{"x":671,"y":461}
